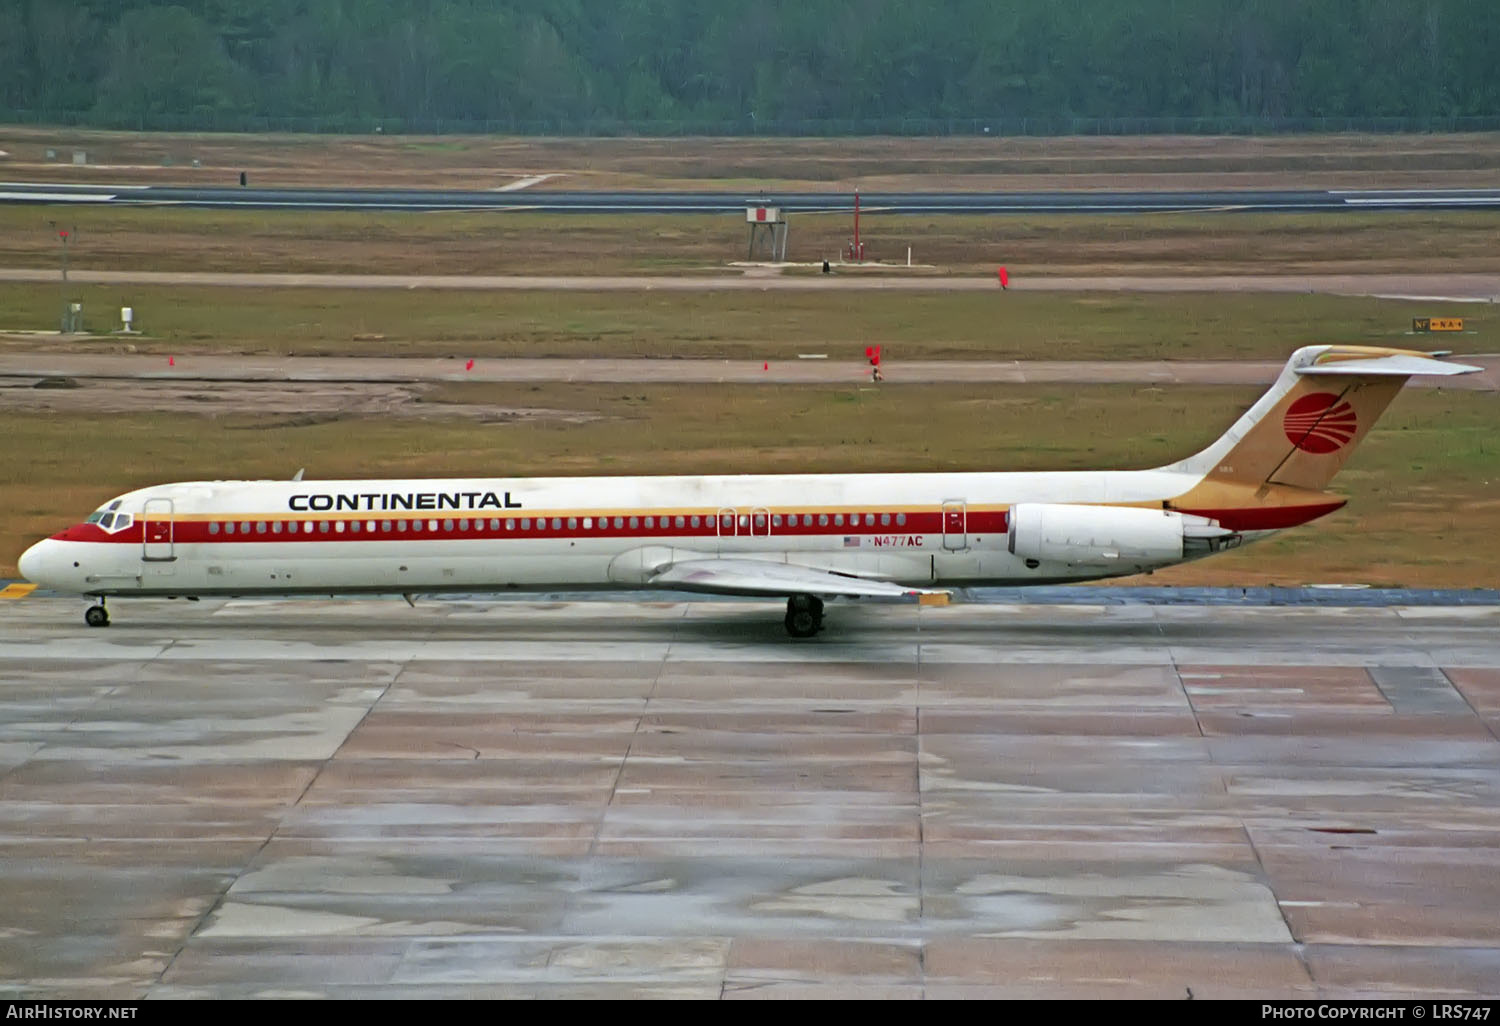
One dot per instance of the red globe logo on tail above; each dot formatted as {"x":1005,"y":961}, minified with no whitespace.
{"x":1320,"y":423}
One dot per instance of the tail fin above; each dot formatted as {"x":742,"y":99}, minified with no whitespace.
{"x":1300,"y":432}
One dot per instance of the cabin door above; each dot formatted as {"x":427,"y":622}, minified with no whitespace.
{"x":157,"y":545}
{"x":955,"y":525}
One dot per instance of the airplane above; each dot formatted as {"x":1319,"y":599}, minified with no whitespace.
{"x":802,"y":537}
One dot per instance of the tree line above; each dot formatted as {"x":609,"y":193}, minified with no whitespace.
{"x":755,"y":61}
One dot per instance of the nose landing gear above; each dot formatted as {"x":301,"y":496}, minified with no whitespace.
{"x":804,"y":615}
{"x":96,"y":616}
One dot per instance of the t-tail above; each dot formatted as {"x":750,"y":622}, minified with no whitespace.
{"x":1270,"y":468}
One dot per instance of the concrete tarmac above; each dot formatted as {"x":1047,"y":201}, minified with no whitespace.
{"x":24,"y":369}
{"x":624,"y":799}
{"x":1076,"y":201}
{"x":1440,"y":287}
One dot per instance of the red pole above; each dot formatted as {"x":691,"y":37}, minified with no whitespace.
{"x":859,"y":254}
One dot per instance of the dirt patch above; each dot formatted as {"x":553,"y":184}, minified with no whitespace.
{"x":272,"y":404}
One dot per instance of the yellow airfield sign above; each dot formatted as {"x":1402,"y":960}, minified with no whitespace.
{"x":1437,"y":324}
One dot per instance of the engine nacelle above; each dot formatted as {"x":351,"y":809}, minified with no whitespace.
{"x":1105,"y":535}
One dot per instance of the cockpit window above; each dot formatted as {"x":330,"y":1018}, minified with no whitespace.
{"x":108,"y":519}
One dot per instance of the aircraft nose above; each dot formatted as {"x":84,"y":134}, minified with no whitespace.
{"x":35,"y":562}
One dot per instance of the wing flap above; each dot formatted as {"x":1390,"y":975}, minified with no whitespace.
{"x":759,"y":577}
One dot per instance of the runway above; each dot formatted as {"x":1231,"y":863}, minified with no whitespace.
{"x":604,"y":202}
{"x":652,"y":799}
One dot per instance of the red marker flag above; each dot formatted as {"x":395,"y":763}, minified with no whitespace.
{"x":766,"y":365}
{"x":1004,"y":276}
{"x":171,"y":362}
{"x":469,"y":366}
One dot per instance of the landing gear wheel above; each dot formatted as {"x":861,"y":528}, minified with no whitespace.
{"x":96,"y":616}
{"x":804,"y":616}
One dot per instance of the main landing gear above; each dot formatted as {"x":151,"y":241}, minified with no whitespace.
{"x":804,"y":615}
{"x":96,"y":616}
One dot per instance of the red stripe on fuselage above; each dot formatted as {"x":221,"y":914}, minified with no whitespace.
{"x":197,"y":532}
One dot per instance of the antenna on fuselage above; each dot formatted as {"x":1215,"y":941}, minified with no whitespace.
{"x":298,"y":475}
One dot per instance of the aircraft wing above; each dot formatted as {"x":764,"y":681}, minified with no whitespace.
{"x":761,"y":577}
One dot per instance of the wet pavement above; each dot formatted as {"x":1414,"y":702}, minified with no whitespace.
{"x":619,"y":799}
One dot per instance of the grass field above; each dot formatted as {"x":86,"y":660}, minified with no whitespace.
{"x":169,"y":239}
{"x":749,"y":325}
{"x":479,"y":162}
{"x":1424,"y":489}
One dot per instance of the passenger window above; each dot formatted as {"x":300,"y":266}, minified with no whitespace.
{"x":695,"y":522}
{"x":869,"y":519}
{"x":680,"y":522}
{"x":510,"y":523}
{"x":650,"y":523}
{"x":416,"y":525}
{"x":338,"y":527}
{"x":229,"y":527}
{"x":619,"y":523}
{"x":447,"y":525}
{"x":822,"y":519}
{"x":276,"y":527}
{"x":900,"y":519}
{"x":588,"y":523}
{"x":400,"y":526}
{"x":322,"y":527}
{"x":463,"y":525}
{"x":525,"y":523}
{"x":385,"y":527}
{"x":260,"y":527}
{"x":838,"y":520}
{"x":885,"y":520}
{"x":760,"y":520}
{"x":776,"y":520}
{"x":541,"y":523}
{"x":572,"y":523}
{"x":213,"y":527}
{"x":635,"y":522}
{"x":557,"y":523}
{"x":494,"y":524}
{"x":432,"y":525}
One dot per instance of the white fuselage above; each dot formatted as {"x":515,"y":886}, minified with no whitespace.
{"x":285,"y":537}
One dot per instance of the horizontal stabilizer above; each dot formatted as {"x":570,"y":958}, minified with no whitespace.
{"x":761,"y":577}
{"x":1401,"y":365}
